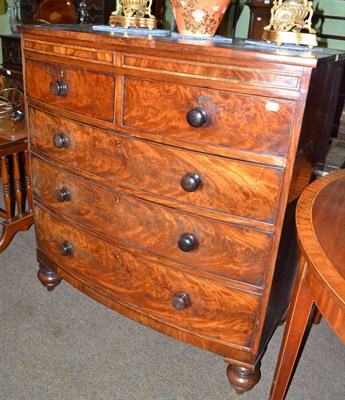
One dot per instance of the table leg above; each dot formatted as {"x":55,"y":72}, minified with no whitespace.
{"x":6,"y":188}
{"x":296,"y":324}
{"x":15,"y":174}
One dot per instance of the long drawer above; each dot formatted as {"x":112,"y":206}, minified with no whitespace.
{"x":221,"y":248}
{"x":245,"y":122}
{"x":214,"y":183}
{"x":211,"y":309}
{"x":75,"y":89}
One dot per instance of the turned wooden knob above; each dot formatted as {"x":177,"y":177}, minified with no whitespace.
{"x":190,"y":182}
{"x":180,"y":301}
{"x":65,"y":248}
{"x":58,"y":88}
{"x":62,"y":194}
{"x":197,"y":117}
{"x":60,"y":140}
{"x":187,"y":242}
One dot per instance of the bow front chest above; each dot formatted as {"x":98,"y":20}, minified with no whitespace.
{"x":165,"y":175}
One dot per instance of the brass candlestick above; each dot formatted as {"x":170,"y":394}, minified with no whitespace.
{"x":133,"y":13}
{"x":288,"y":19}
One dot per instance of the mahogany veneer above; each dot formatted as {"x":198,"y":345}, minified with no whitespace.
{"x":163,"y":171}
{"x":321,"y":273}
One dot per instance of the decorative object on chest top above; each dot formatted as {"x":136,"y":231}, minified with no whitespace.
{"x":165,"y":174}
{"x":83,"y":14}
{"x":14,"y":17}
{"x":290,"y":19}
{"x":133,"y":13}
{"x":199,"y":17}
{"x":56,"y":12}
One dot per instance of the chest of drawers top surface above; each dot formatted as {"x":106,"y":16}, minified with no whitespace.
{"x":232,"y":49}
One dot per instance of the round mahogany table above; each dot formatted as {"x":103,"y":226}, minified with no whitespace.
{"x":320,"y":221}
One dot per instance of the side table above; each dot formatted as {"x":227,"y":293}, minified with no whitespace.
{"x":320,"y":221}
{"x":16,"y":181}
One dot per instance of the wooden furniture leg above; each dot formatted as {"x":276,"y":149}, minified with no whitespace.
{"x":243,"y":379}
{"x":320,"y":278}
{"x":48,"y":277}
{"x":17,"y":191}
{"x":296,"y":324}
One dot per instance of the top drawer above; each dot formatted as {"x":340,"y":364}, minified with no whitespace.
{"x":86,"y":92}
{"x":244,"y":122}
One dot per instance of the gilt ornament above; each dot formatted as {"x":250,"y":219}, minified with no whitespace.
{"x":133,"y":13}
{"x":290,"y":22}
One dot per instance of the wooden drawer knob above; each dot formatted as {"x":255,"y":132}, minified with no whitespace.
{"x":60,"y":140}
{"x":187,"y":242}
{"x":62,"y":194}
{"x":197,"y":117}
{"x":180,"y":301}
{"x":65,"y":248}
{"x":58,"y":88}
{"x":190,"y":182}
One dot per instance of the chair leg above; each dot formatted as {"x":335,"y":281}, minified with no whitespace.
{"x":296,"y":324}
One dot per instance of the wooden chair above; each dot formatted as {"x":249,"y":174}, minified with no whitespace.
{"x":320,"y":220}
{"x":16,"y":181}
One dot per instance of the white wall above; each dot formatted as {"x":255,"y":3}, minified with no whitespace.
{"x":4,"y":23}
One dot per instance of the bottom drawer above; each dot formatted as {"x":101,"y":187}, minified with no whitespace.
{"x":205,"y":308}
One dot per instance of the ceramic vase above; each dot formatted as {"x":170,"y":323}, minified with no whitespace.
{"x":198,"y":17}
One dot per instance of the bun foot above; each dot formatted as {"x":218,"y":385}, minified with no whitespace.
{"x":243,"y":379}
{"x":48,"y":278}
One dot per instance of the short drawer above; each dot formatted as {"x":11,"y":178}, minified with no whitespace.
{"x":221,"y":248}
{"x":245,"y":122}
{"x":204,"y":307}
{"x":79,"y":90}
{"x":213,"y":183}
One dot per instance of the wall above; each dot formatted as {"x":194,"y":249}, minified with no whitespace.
{"x":4,"y":23}
{"x":331,"y":26}
{"x":328,"y":26}
{"x":5,"y":5}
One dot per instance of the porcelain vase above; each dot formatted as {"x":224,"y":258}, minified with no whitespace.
{"x":198,"y":17}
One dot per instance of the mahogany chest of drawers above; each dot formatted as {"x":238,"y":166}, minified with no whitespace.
{"x":165,"y":174}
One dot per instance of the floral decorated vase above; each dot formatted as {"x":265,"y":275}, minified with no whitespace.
{"x":198,"y":17}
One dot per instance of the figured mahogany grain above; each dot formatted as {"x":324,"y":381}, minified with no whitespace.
{"x":224,"y":249}
{"x":333,"y":216}
{"x":260,"y":102}
{"x":245,"y":189}
{"x":264,"y":126}
{"x":134,"y":280}
{"x":81,"y":94}
{"x":248,"y":76}
{"x":82,"y":53}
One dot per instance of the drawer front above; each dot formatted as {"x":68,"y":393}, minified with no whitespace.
{"x":239,"y":188}
{"x":220,"y":248}
{"x":249,"y":123}
{"x":211,"y":309}
{"x":90,"y":93}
